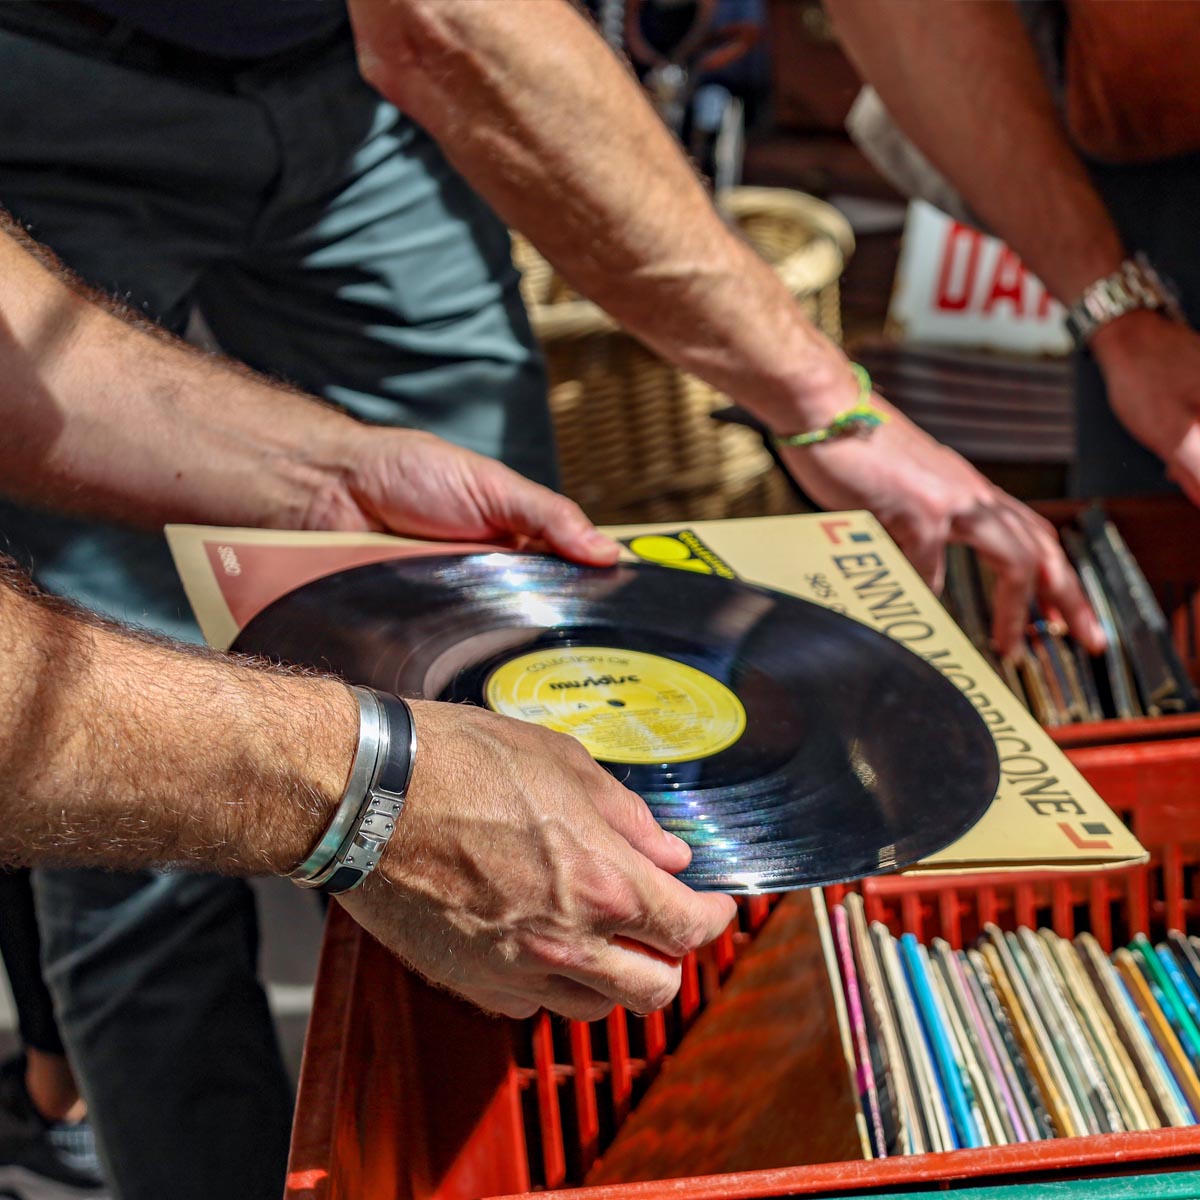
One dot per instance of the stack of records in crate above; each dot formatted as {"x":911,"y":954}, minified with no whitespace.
{"x":1023,"y":1036}
{"x":1138,"y":675}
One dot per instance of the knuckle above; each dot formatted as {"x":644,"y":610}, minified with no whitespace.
{"x":660,"y":995}
{"x":565,"y":509}
{"x":689,"y":936}
{"x":584,"y":1010}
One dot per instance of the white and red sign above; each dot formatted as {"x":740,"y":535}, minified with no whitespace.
{"x":957,"y":286}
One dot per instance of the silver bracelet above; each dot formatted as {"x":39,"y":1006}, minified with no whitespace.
{"x":369,"y":810}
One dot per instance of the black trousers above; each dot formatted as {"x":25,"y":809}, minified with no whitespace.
{"x":20,"y":947}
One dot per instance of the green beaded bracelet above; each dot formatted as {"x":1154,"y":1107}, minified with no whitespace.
{"x":859,"y":420}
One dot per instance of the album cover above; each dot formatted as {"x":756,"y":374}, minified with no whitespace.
{"x":882,"y":1020}
{"x":1044,"y":813}
{"x":1178,"y":1069}
{"x":929,"y":1097}
{"x":1168,"y":1102}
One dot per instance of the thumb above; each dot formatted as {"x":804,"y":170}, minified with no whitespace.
{"x":542,"y":515}
{"x":628,"y":815}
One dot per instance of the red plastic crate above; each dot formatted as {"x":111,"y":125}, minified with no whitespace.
{"x":408,"y":1094}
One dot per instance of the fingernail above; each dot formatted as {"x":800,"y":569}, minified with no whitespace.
{"x":601,"y":541}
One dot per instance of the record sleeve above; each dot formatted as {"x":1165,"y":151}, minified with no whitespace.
{"x":1188,"y":959}
{"x":1022,"y":1094}
{"x":1044,"y":1018}
{"x":864,"y":1068}
{"x":989,"y":1108}
{"x":1172,"y":1003}
{"x":881,"y":1012}
{"x":1137,"y":1112}
{"x":950,"y":1074}
{"x":841,"y":1013}
{"x":1044,"y":813}
{"x":1168,"y":1102}
{"x":989,"y":1049}
{"x":1095,"y":1091}
{"x":916,"y":1047}
{"x":1032,"y":1036}
{"x":1179,"y":1068}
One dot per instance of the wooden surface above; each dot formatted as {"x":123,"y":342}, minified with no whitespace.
{"x":760,"y":1080}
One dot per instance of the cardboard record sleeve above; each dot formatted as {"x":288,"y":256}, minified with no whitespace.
{"x":1044,"y":814}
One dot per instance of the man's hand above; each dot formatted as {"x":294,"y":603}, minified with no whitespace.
{"x":926,"y":495}
{"x":102,"y":418}
{"x":1151,"y":367}
{"x":408,"y":482}
{"x":523,"y":875}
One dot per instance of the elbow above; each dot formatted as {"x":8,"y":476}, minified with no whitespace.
{"x":405,"y":46}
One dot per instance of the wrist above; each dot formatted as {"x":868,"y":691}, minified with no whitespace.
{"x":1127,"y":336}
{"x":302,"y":739}
{"x":372,"y":801}
{"x":826,"y":386}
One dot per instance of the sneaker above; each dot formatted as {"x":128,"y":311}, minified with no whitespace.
{"x":40,"y":1159}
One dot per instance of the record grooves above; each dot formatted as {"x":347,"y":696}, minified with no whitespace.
{"x":788,"y":745}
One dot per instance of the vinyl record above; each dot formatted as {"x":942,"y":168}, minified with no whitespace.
{"x":788,"y":745}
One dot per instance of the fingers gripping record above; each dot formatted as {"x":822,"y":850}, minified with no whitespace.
{"x":545,"y":884}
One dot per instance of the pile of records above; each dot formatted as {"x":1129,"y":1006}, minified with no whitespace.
{"x":1140,"y":673}
{"x":1023,"y":1037}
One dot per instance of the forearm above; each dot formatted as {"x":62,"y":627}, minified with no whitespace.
{"x":537,"y":114}
{"x":963,"y":82}
{"x":123,"y":752}
{"x":103,"y":416}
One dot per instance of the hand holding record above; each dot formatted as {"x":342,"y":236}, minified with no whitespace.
{"x":522,"y":871}
{"x":408,"y":482}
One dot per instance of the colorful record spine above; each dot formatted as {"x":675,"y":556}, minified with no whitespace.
{"x":865,"y":1076}
{"x":1027,"y":1092}
{"x":1178,"y":1069}
{"x":916,"y":1047}
{"x":951,"y":1072}
{"x":988,"y":1106}
{"x":1024,"y":1036}
{"x":909,"y":1135}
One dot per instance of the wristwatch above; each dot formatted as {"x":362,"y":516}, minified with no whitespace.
{"x":1134,"y":284}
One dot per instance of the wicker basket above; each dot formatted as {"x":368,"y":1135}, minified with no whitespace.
{"x":635,"y":435}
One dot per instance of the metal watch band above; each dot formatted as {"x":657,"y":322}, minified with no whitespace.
{"x":367,"y":815}
{"x":1134,"y":285}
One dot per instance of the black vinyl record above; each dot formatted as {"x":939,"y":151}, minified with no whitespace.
{"x":788,"y":745}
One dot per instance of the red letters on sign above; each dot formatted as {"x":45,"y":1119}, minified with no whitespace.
{"x":960,"y":261}
{"x":1008,"y":283}
{"x":959,"y":271}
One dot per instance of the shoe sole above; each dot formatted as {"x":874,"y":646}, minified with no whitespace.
{"x":17,"y":1183}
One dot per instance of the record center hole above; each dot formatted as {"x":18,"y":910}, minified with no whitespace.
{"x":617,"y":703}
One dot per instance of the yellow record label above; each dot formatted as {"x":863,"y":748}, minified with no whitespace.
{"x":623,"y":705}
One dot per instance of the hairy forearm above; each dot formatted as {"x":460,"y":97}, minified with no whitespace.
{"x":104,"y":415}
{"x":123,"y":752}
{"x":530,"y":105}
{"x":963,"y":81}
